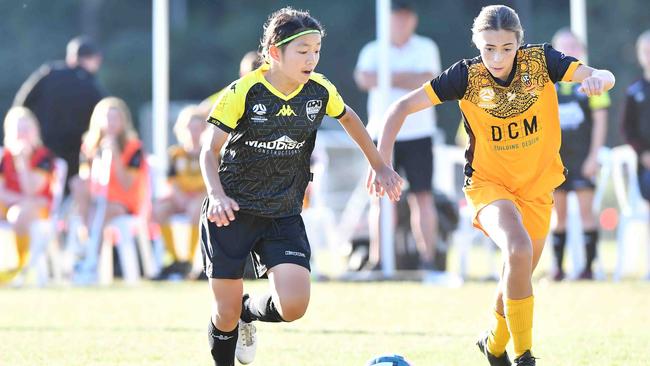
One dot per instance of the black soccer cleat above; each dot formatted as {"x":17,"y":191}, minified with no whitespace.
{"x":502,"y":360}
{"x":525,"y":360}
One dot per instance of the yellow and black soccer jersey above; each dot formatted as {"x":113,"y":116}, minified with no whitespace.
{"x":265,"y":166}
{"x":184,"y":170}
{"x":513,"y":125}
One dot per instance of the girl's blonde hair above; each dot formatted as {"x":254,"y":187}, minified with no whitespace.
{"x":498,"y":17}
{"x":186,"y":116}
{"x":11,"y":120}
{"x":93,"y":136}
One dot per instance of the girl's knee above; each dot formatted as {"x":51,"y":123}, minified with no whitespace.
{"x":520,"y":249}
{"x":294,"y":308}
{"x":228,"y":315}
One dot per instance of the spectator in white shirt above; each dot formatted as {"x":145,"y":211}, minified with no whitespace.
{"x":414,"y":60}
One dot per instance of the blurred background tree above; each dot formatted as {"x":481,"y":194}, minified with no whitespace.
{"x":208,"y":38}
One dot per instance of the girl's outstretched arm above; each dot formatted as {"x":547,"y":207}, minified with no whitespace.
{"x":384,"y":179}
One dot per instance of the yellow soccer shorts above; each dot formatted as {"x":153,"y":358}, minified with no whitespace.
{"x":535,"y":213}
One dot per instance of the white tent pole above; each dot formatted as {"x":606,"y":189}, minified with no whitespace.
{"x":386,"y":228}
{"x":160,"y":79}
{"x":579,"y":23}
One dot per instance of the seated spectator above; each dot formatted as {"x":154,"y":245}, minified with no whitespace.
{"x":26,"y":171}
{"x":111,"y":130}
{"x":186,"y":190}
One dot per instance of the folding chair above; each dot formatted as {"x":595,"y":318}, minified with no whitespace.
{"x":131,"y":230}
{"x":632,"y":229}
{"x":133,"y":239}
{"x":449,"y":163}
{"x":180,"y":222}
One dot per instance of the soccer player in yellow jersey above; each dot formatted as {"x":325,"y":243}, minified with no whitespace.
{"x":268,"y":121}
{"x":249,"y":62}
{"x":510,"y":111}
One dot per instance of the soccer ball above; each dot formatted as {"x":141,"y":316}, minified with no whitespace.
{"x":389,"y":360}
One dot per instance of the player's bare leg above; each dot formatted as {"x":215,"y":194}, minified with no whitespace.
{"x":226,"y":310}
{"x":503,"y":223}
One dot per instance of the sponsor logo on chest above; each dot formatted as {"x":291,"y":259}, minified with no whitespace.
{"x":283,"y":143}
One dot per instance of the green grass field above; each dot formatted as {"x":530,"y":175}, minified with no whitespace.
{"x":576,"y":324}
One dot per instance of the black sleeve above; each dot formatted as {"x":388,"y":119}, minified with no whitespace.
{"x":29,"y":91}
{"x":630,"y":125}
{"x":171,"y":171}
{"x":452,"y":83}
{"x":46,"y":163}
{"x":136,"y":159}
{"x":557,"y":63}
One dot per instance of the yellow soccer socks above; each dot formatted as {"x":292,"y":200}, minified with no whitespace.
{"x":519,"y":317}
{"x":22,"y":247}
{"x":499,"y":336}
{"x":194,"y":242}
{"x":168,"y":240}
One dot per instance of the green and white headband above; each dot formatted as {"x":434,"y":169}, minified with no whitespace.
{"x":291,"y":38}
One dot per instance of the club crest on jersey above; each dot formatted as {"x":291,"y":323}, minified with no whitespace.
{"x":286,"y":111}
{"x":528,"y":84}
{"x":313,"y":107}
{"x":486,"y":95}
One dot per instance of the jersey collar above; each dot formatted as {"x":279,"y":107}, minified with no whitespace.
{"x":260,"y":75}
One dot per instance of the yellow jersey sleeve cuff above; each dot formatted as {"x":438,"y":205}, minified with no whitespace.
{"x":431,"y":94}
{"x":340,"y":115}
{"x":568,"y":74}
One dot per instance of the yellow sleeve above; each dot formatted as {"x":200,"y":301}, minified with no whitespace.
{"x":431,"y":93}
{"x":600,"y":101}
{"x":335,"y":104}
{"x":229,"y":107}
{"x":568,"y":74}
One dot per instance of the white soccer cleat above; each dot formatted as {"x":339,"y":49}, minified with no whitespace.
{"x":246,"y":343}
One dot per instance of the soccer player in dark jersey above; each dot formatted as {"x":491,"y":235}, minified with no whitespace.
{"x":269,"y":119}
{"x":636,"y":115}
{"x":583,"y":121}
{"x":510,"y":111}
